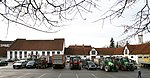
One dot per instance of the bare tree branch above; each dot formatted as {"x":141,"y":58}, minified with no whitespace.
{"x":37,"y":14}
{"x":141,"y":23}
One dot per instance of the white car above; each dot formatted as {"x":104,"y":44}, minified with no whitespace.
{"x":19,"y":64}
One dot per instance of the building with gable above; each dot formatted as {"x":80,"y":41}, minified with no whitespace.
{"x":88,"y":52}
{"x":137,"y":52}
{"x":84,"y":51}
{"x":22,"y":48}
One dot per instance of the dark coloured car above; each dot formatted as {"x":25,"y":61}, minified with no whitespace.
{"x":3,"y":63}
{"x":19,"y":64}
{"x":90,"y":65}
{"x":75,"y":63}
{"x":31,"y":64}
{"x":12,"y":60}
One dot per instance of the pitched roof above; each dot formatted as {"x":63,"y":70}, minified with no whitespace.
{"x":6,"y":42}
{"x":78,"y":50}
{"x":3,"y":51}
{"x":110,"y":51}
{"x":139,"y":49}
{"x":105,"y":51}
{"x":119,"y":51}
{"x":23,"y":44}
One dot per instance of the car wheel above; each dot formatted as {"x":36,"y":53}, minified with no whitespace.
{"x":101,"y":67}
{"x":122,"y":68}
{"x":106,"y":68}
{"x":20,"y":67}
{"x":14,"y":67}
{"x":88,"y":68}
{"x":79,"y":68}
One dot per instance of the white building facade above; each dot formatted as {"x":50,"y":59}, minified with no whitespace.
{"x":22,"y":49}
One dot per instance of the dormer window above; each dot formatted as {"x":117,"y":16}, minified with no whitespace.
{"x":126,"y":51}
{"x":93,"y":52}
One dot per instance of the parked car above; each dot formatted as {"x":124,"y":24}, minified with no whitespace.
{"x":3,"y":63}
{"x":67,"y":60}
{"x":84,"y":62}
{"x":90,"y":65}
{"x":75,"y":63}
{"x":12,"y":60}
{"x":31,"y":64}
{"x":19,"y":64}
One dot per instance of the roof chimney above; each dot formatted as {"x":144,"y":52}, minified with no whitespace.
{"x":140,"y":37}
{"x":82,"y":45}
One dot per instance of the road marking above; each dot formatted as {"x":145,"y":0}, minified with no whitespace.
{"x":59,"y":75}
{"x":24,"y":75}
{"x":77,"y":75}
{"x":42,"y":75}
{"x":94,"y":76}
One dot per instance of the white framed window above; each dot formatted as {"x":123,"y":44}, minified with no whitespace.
{"x":93,"y":52}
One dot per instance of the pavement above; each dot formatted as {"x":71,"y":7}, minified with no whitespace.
{"x":9,"y":72}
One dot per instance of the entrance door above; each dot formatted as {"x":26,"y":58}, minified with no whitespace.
{"x":93,"y":57}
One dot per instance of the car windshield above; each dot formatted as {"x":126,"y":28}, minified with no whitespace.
{"x":19,"y":62}
{"x":108,"y":59}
{"x":31,"y":62}
{"x":75,"y":59}
{"x":90,"y":62}
{"x":125,"y":60}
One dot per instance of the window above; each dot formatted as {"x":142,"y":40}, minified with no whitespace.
{"x":10,"y":54}
{"x":131,"y":56}
{"x":58,"y":52}
{"x":25,"y":54}
{"x":68,"y":56}
{"x":145,"y":56}
{"x":53,"y":52}
{"x":85,"y":56}
{"x":126,"y":51}
{"x":93,"y":52}
{"x":140,"y":57}
{"x":15,"y":54}
{"x":20,"y":54}
{"x":48,"y":53}
{"x":32,"y":53}
{"x":36,"y":53}
{"x":43,"y":53}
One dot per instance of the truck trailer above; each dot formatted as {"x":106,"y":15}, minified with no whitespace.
{"x":58,"y":61}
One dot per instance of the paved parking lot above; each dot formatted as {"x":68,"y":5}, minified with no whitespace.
{"x":9,"y":72}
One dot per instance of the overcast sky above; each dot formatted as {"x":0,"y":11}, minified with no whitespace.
{"x":79,"y":31}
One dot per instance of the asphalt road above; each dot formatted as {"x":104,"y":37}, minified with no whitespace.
{"x":9,"y":72}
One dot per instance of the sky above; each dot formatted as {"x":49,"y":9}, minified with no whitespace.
{"x":79,"y":31}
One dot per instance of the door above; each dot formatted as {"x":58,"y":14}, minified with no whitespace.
{"x":93,"y":57}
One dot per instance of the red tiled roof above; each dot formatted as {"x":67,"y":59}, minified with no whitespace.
{"x":139,"y":49}
{"x":23,"y":44}
{"x":78,"y":50}
{"x":3,"y":51}
{"x":119,"y":51}
{"x":110,"y":51}
{"x":105,"y":51}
